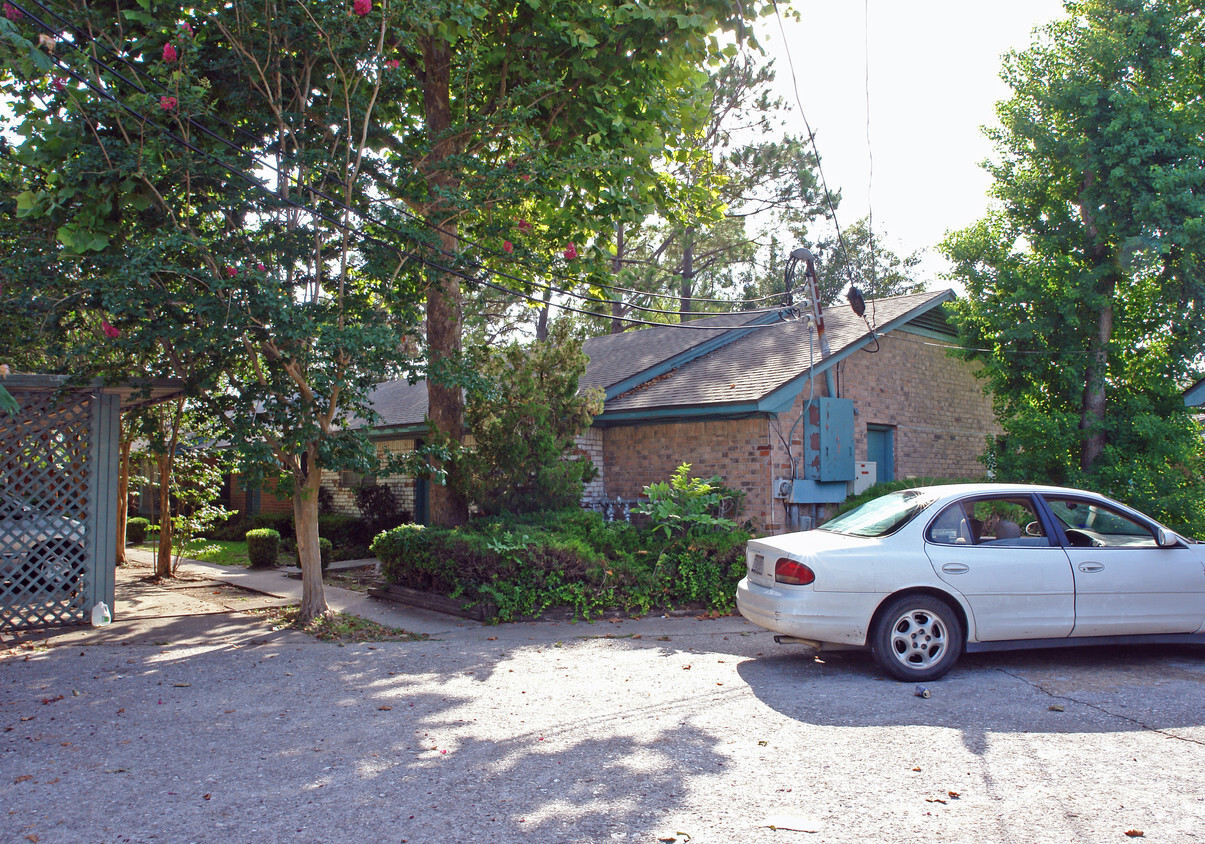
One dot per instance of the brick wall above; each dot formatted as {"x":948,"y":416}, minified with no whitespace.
{"x":933,"y":401}
{"x":738,"y":451}
{"x":590,"y":446}
{"x":343,"y":488}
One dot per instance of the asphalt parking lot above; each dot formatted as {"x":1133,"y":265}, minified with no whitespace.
{"x":649,"y":730}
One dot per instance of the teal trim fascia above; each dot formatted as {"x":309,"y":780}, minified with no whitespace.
{"x":930,"y":333}
{"x":665,"y":415}
{"x":729,"y":335}
{"x":419,"y":429}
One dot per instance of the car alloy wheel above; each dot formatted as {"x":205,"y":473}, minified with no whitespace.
{"x":917,"y":637}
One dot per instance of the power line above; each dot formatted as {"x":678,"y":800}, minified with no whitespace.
{"x":828,"y":197}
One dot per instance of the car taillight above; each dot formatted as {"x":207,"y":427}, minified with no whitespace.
{"x":793,"y":572}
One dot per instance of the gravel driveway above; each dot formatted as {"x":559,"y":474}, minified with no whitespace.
{"x":634,"y":731}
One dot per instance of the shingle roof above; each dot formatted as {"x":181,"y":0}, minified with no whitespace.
{"x":757,"y":361}
{"x":763,"y":360}
{"x":400,"y":402}
{"x":617,"y":357}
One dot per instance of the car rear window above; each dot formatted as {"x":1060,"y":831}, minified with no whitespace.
{"x":882,"y":516}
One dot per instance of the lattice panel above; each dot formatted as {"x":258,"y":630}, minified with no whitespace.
{"x":44,"y":474}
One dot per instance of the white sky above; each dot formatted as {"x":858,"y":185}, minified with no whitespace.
{"x":934,"y":80}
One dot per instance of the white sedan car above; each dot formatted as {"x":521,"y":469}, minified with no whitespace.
{"x":920,"y":576}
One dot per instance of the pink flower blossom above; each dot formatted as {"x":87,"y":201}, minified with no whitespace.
{"x":169,"y":52}
{"x":58,"y":83}
{"x":570,"y":252}
{"x":168,"y":103}
{"x":261,"y":268}
{"x":186,"y":30}
{"x":12,"y":12}
{"x":110,"y":332}
{"x":362,"y":7}
{"x":230,"y":271}
{"x":508,"y":247}
{"x":524,"y":226}
{"x":392,"y":64}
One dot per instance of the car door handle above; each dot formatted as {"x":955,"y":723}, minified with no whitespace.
{"x":1091,"y":567}
{"x":955,"y":568}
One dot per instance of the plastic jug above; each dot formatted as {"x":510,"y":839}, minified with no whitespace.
{"x":101,"y":615}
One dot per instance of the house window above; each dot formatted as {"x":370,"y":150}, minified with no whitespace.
{"x":880,"y":449}
{"x":354,"y":480}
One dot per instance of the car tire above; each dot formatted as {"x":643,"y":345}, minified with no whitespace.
{"x":917,"y":637}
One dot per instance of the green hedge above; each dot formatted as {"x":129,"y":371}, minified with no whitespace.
{"x":136,"y":530}
{"x":263,"y":547}
{"x":523,"y":566}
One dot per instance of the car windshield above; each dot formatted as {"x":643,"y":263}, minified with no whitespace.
{"x":882,"y":516}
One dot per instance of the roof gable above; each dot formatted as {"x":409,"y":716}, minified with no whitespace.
{"x":755,"y":371}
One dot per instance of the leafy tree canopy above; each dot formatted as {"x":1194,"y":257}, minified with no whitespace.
{"x":1085,"y":285}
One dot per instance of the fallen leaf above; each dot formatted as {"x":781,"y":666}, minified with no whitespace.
{"x":1057,"y":707}
{"x":917,"y":768}
{"x":384,"y":708}
{"x":27,"y":717}
{"x":23,"y":778}
{"x":685,"y":667}
{"x":491,"y":638}
{"x":934,"y":800}
{"x":1134,"y":833}
{"x":762,"y":743}
{"x":181,"y":685}
{"x":953,"y":794}
{"x":33,"y":837}
{"x":206,"y":796}
{"x":47,"y":700}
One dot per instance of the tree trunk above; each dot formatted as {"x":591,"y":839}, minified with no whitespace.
{"x":1093,"y":413}
{"x":305,"y":521}
{"x":123,"y":494}
{"x":163,"y":557}
{"x":688,"y":275}
{"x":444,"y":317}
{"x":616,"y":266}
{"x":542,"y":320}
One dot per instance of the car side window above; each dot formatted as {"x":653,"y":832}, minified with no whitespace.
{"x":1006,"y":520}
{"x":1090,"y":524}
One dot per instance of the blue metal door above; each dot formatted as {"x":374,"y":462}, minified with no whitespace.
{"x":880,"y":449}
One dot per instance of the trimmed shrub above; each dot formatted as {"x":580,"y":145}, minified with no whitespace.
{"x":527,"y":564}
{"x":136,"y":530}
{"x":263,"y":547}
{"x":325,"y":549}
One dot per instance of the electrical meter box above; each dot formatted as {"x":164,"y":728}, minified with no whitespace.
{"x":829,"y":440}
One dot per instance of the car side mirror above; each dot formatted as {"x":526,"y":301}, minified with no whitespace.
{"x":1165,"y":538}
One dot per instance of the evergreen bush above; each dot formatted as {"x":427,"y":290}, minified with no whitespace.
{"x":136,"y":530}
{"x":263,"y":547}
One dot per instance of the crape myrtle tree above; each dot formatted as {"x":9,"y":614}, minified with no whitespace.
{"x":1085,"y":285}
{"x":207,"y":173}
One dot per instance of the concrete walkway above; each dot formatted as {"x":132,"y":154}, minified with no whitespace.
{"x":281,"y":583}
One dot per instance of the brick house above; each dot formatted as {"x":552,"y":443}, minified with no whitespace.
{"x":728,"y":395}
{"x":730,"y":401}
